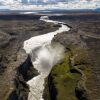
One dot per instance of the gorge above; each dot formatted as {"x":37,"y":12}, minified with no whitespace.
{"x":44,"y":55}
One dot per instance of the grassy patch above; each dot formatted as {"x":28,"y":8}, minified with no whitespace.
{"x":65,"y":81}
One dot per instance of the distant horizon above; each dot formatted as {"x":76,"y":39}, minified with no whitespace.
{"x":48,"y":4}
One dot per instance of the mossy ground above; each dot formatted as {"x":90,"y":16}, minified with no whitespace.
{"x":65,"y":81}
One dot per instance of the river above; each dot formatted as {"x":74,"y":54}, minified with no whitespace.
{"x":44,"y":55}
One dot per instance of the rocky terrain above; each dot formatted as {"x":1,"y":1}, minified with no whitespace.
{"x":76,"y":77}
{"x":15,"y":65}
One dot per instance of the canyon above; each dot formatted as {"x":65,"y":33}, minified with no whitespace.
{"x":44,"y":56}
{"x":76,"y":75}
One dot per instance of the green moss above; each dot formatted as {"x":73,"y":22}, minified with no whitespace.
{"x":81,"y":56}
{"x":65,"y":81}
{"x":65,"y":76}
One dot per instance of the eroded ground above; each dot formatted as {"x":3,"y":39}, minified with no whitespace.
{"x":13,"y":32}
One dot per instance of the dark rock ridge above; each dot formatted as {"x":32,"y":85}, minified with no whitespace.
{"x":24,"y":73}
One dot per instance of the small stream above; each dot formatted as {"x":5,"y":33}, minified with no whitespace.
{"x":44,"y":55}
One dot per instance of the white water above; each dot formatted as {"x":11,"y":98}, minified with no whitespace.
{"x":43,"y":56}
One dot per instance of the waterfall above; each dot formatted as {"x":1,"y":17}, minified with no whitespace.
{"x":44,"y":55}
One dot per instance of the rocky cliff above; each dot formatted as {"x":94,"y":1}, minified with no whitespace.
{"x":15,"y":64}
{"x":77,"y":76}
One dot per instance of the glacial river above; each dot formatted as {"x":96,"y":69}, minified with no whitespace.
{"x":44,"y":55}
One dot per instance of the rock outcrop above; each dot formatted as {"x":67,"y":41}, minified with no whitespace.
{"x":24,"y":73}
